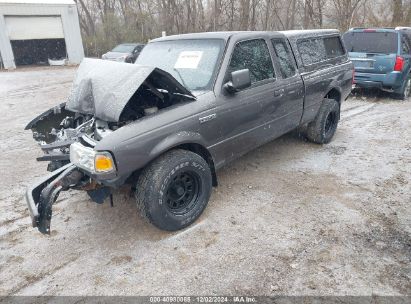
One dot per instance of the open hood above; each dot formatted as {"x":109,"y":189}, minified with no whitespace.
{"x":103,"y":88}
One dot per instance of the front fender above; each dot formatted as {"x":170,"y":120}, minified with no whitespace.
{"x":135,"y":154}
{"x":174,"y":140}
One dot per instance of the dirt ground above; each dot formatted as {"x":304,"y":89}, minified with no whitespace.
{"x":290,"y":218}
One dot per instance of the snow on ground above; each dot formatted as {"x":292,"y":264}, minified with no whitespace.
{"x":289,"y":218}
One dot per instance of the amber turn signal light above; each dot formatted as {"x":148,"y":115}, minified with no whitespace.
{"x":103,"y":163}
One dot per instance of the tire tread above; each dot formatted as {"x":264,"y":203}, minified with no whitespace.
{"x":315,"y":132}
{"x":151,"y":177}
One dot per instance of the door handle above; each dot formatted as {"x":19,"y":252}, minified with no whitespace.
{"x":279,"y":93}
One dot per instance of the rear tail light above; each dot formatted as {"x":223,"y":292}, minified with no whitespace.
{"x":353,"y":76}
{"x":399,"y":64}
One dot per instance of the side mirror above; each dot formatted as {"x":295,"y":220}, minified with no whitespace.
{"x":239,"y":80}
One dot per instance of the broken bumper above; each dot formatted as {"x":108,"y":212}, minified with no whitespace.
{"x":41,"y":196}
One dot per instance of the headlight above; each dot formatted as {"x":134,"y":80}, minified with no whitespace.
{"x":90,"y":160}
{"x":82,"y":157}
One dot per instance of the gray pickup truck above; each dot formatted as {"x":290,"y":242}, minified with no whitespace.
{"x":191,"y":104}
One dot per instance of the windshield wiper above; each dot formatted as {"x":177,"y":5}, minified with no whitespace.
{"x":185,"y":95}
{"x":181,"y":77}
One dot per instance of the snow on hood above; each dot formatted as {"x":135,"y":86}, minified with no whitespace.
{"x":103,"y":88}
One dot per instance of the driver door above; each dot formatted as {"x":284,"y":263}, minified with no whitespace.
{"x":242,"y":115}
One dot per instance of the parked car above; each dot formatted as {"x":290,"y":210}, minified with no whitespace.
{"x":126,"y":52}
{"x":190,"y":105}
{"x":381,"y":58}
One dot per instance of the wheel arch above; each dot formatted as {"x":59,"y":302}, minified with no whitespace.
{"x":334,"y":93}
{"x":188,"y":141}
{"x":204,"y":153}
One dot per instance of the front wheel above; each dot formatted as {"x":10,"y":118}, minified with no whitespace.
{"x":173,"y":190}
{"x":323,"y":128}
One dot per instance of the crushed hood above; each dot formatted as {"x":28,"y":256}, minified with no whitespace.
{"x":103,"y":88}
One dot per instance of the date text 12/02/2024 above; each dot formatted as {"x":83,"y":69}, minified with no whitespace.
{"x":203,"y":299}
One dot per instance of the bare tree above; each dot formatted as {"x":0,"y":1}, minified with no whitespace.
{"x":397,"y":13}
{"x":105,"y":23}
{"x":344,"y":12}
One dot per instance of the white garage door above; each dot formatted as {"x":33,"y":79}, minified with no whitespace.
{"x":22,"y":27}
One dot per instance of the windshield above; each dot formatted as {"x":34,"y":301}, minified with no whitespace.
{"x":192,"y":62}
{"x":371,"y":42}
{"x":124,"y":48}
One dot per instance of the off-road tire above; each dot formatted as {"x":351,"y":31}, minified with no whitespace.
{"x":164,"y":178}
{"x":405,"y":91}
{"x":323,"y":128}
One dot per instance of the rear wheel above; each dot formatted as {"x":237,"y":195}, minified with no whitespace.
{"x":405,"y":91}
{"x":323,"y":128}
{"x":173,"y":191}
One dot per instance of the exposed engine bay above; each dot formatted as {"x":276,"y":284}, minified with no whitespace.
{"x":98,"y":106}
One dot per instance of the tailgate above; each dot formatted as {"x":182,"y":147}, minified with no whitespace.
{"x":373,"y":63}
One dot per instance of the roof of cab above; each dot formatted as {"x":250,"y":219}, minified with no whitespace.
{"x":374,"y":29}
{"x":211,"y":35}
{"x":309,"y":33}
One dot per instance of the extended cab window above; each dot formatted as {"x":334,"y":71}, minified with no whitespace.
{"x":285,"y":58}
{"x":333,"y":47}
{"x":312,"y":50}
{"x":255,"y":56}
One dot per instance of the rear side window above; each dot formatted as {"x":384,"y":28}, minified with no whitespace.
{"x":312,"y":51}
{"x":371,"y":42}
{"x":285,"y":58}
{"x":405,"y":46}
{"x":254,"y":56}
{"x":333,"y":47}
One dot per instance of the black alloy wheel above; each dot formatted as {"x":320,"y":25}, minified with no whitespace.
{"x":182,"y":192}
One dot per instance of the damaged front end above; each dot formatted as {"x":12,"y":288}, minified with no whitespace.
{"x":105,"y":97}
{"x":41,"y":196}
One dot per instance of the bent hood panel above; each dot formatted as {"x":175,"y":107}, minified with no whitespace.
{"x":103,"y":88}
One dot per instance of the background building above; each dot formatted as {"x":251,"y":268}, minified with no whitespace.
{"x":33,"y":31}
